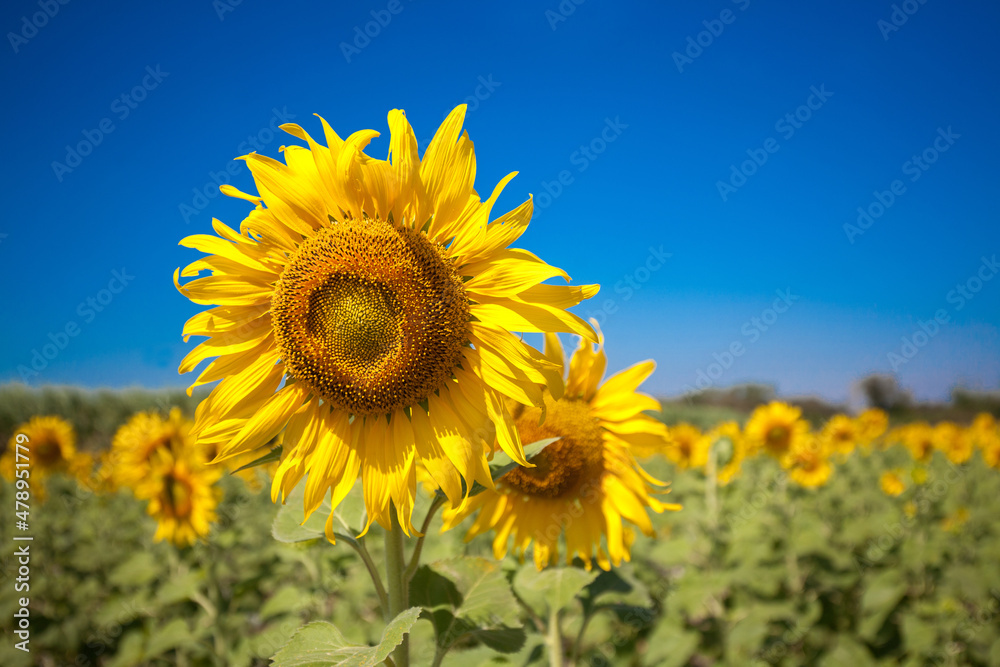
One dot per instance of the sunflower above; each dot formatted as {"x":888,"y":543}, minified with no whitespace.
{"x":731,"y":447}
{"x":686,"y":446}
{"x":367,"y":307}
{"x":51,"y":448}
{"x":840,"y":435}
{"x":872,"y":424}
{"x":891,"y":482}
{"x":953,"y":441}
{"x":584,"y":484}
{"x":139,"y":444}
{"x":776,"y":428}
{"x":808,"y":461}
{"x":918,"y":438}
{"x":182,"y":498}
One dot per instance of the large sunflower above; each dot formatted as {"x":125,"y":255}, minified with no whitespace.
{"x":51,"y":448}
{"x":586,"y":483}
{"x":366,"y":307}
{"x":182,"y":498}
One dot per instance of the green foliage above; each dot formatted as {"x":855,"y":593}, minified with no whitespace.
{"x":321,"y":644}
{"x":468,"y":600}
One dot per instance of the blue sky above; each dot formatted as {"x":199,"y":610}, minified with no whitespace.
{"x":710,"y":156}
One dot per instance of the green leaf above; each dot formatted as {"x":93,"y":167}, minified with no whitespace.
{"x":550,"y":589}
{"x":670,"y":645}
{"x":139,"y":569}
{"x":321,"y":644}
{"x":848,"y":652}
{"x":273,"y":455}
{"x":170,"y":636}
{"x":289,"y":524}
{"x":615,"y":587}
{"x":288,"y":598}
{"x":180,"y":588}
{"x":468,"y":597}
{"x":883,"y":593}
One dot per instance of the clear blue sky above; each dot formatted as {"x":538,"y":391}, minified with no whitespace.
{"x":211,"y":75}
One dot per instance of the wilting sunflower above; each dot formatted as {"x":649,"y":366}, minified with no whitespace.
{"x":585,"y":484}
{"x":366,"y":307}
{"x":808,"y":461}
{"x":51,"y":448}
{"x":775,"y":428}
{"x":686,"y":446}
{"x":891,"y":482}
{"x":182,"y":498}
{"x":138,"y":445}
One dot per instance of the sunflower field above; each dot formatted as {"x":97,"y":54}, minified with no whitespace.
{"x":855,"y":540}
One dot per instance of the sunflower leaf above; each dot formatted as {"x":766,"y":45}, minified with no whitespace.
{"x":273,"y":455}
{"x":552,"y":589}
{"x":321,"y":644}
{"x":468,"y":598}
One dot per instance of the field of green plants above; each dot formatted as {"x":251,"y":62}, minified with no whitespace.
{"x":759,"y":571}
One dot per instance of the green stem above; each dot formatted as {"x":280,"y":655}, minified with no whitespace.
{"x":555,"y":640}
{"x":711,"y":488}
{"x":362,"y":551}
{"x":395,"y":570}
{"x":411,"y":569}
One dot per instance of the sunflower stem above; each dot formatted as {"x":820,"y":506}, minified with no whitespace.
{"x":555,"y":639}
{"x":395,"y":575}
{"x":411,"y":569}
{"x":711,"y":488}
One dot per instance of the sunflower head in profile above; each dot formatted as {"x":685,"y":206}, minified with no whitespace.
{"x":182,"y":497}
{"x":776,"y":429}
{"x":730,"y":449}
{"x":51,"y":448}
{"x":140,"y":443}
{"x":686,"y":446}
{"x":585,"y":485}
{"x":366,"y":308}
{"x":808,"y":461}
